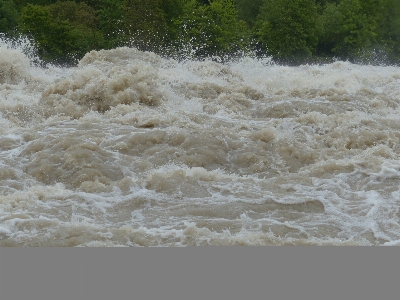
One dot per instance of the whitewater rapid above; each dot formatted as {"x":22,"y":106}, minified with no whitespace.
{"x":132,"y":149}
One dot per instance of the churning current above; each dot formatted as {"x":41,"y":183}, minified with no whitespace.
{"x":131,"y":149}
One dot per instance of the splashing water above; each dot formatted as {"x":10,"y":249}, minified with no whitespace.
{"x":131,"y":149}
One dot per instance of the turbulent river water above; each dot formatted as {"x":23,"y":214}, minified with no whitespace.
{"x":131,"y":149}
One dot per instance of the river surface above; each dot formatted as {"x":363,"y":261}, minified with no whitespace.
{"x":131,"y":149}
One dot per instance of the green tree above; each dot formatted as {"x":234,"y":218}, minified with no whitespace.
{"x":63,"y":31}
{"x":23,"y":3}
{"x":145,"y":24}
{"x":386,"y":14}
{"x":248,"y":10}
{"x":8,"y":16}
{"x":212,"y":29}
{"x":287,"y":28}
{"x":111,"y":22}
{"x":346,"y":29}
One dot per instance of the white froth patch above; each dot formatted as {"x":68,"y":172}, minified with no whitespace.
{"x":5,"y":124}
{"x":339,"y":79}
{"x":181,"y":181}
{"x":94,"y":186}
{"x":119,"y":56}
{"x":266,"y":134}
{"x":388,"y":171}
{"x":14,"y":66}
{"x":106,"y":79}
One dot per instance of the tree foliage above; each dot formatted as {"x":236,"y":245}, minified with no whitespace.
{"x":289,"y":30}
{"x":211,"y":29}
{"x":8,"y":16}
{"x":387,"y":19}
{"x":346,"y":29}
{"x":248,"y":10}
{"x":63,"y":31}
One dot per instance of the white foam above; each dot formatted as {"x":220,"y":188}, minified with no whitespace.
{"x":242,"y":153}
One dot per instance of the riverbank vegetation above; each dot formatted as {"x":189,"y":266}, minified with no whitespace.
{"x":291,"y":31}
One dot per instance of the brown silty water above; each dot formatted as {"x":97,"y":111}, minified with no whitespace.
{"x":131,"y":149}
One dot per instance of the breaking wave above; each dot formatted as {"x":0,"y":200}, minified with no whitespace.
{"x":132,"y":149}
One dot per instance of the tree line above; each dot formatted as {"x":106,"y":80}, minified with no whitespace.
{"x":289,"y":30}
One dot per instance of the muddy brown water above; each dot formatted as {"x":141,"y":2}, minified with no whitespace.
{"x":131,"y":149}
